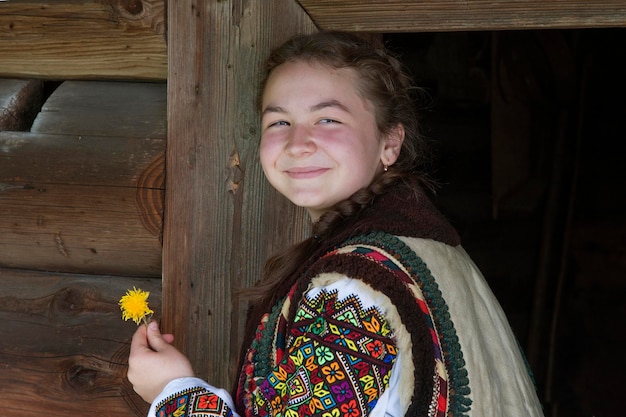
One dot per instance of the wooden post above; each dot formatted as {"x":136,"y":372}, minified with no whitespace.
{"x":221,"y":218}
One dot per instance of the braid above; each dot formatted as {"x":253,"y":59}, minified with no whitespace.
{"x":279,"y":272}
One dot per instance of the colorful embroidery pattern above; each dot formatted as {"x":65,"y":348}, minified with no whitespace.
{"x":451,"y":385}
{"x":194,"y":402}
{"x":338,"y":357}
{"x":439,"y":404}
{"x":338,"y":362}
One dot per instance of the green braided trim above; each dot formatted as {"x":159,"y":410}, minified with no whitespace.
{"x":459,"y":389}
{"x":263,"y":362}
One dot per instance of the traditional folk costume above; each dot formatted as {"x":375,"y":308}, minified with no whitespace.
{"x":389,"y":318}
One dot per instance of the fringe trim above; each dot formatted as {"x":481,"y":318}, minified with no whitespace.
{"x":264,"y":346}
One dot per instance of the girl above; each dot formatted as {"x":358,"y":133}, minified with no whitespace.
{"x":380,"y":312}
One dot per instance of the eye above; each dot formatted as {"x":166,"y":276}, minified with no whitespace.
{"x":327,"y":120}
{"x":278,"y":123}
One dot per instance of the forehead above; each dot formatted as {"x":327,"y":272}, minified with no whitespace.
{"x":303,"y":79}
{"x":302,"y":71}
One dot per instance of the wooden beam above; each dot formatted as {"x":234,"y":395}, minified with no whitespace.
{"x":388,"y":16}
{"x":64,"y":346}
{"x":84,"y":39}
{"x":221,"y":219}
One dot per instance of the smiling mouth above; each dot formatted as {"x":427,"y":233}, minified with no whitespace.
{"x":305,"y":172}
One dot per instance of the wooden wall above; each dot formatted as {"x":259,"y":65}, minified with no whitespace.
{"x":84,"y":184}
{"x":81,"y":206}
{"x":85,"y":39}
{"x":83,"y":124}
{"x":64,"y":349}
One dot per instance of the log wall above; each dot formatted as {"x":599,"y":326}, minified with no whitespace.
{"x":81,"y":215}
{"x":108,"y":39}
{"x":81,"y":198}
{"x":63,"y":346}
{"x":83,"y":190}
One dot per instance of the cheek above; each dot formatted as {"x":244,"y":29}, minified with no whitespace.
{"x":364,"y":153}
{"x":267,"y":153}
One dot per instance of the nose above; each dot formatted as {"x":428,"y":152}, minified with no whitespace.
{"x":299,"y":141}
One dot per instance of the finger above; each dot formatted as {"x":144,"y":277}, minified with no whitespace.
{"x":169,"y":338}
{"x":140,"y":339}
{"x":155,"y":339}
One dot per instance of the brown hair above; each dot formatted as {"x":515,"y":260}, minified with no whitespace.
{"x":381,"y":80}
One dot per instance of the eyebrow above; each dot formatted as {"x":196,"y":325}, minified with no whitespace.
{"x":315,"y":107}
{"x":329,"y":103}
{"x":273,"y":109}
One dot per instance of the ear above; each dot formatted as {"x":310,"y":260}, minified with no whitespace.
{"x":392,"y":145}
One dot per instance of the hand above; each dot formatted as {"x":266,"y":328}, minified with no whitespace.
{"x":154,"y":362}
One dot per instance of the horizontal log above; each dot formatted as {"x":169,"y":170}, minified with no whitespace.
{"x":86,"y":205}
{"x":105,"y":109}
{"x":64,"y":347}
{"x":27,"y":158}
{"x":94,"y":230}
{"x":88,"y":39}
{"x":387,"y":16}
{"x":20,"y":100}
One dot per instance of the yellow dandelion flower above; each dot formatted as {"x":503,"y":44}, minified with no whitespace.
{"x":134,"y":305}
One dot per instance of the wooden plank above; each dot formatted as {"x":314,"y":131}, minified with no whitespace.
{"x":64,"y":347}
{"x":20,"y":101}
{"x":221,"y":219}
{"x":117,"y":109}
{"x":388,"y":16}
{"x":81,"y":204}
{"x":83,"y":39}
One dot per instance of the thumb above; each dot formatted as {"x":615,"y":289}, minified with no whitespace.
{"x":155,"y":339}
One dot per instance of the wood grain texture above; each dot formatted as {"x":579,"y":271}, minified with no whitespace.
{"x":105,"y":108}
{"x":64,"y":347}
{"x":88,"y":205}
{"x":72,"y":201}
{"x":82,"y":229}
{"x":221,"y":219}
{"x":462,"y":15}
{"x":88,"y":39}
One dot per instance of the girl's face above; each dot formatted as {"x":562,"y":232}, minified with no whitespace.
{"x":320,"y":143}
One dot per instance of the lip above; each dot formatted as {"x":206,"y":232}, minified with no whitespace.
{"x":305,"y":172}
